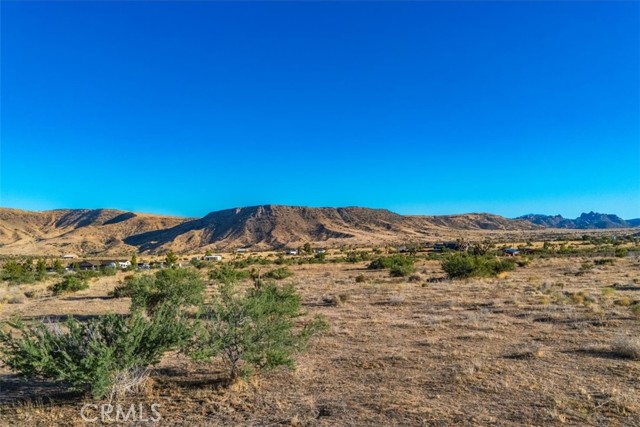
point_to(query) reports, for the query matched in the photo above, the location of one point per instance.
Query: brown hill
(274, 226)
(80, 231)
(105, 231)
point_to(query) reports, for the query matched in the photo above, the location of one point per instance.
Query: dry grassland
(554, 343)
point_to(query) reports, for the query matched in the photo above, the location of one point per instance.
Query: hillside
(86, 231)
(107, 231)
(591, 220)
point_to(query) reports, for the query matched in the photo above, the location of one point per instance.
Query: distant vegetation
(279, 273)
(70, 284)
(398, 265)
(462, 265)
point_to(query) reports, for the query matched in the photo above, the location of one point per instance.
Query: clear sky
(418, 107)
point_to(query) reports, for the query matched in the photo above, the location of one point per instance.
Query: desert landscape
(552, 341)
(319, 213)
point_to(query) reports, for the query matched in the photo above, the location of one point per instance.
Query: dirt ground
(536, 347)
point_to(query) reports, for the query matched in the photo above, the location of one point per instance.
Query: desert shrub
(398, 265)
(227, 273)
(70, 284)
(251, 260)
(621, 252)
(19, 272)
(360, 278)
(87, 274)
(108, 271)
(199, 264)
(92, 356)
(133, 285)
(16, 299)
(390, 261)
(635, 309)
(358, 256)
(177, 286)
(461, 266)
(415, 278)
(628, 347)
(401, 270)
(604, 261)
(279, 273)
(253, 330)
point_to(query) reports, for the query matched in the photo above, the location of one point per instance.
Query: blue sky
(418, 107)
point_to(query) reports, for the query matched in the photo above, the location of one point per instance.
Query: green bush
(20, 272)
(461, 266)
(92, 356)
(253, 330)
(177, 286)
(70, 284)
(227, 273)
(358, 256)
(402, 270)
(621, 252)
(279, 273)
(399, 265)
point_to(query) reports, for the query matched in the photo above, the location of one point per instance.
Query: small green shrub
(227, 273)
(621, 252)
(179, 286)
(401, 270)
(461, 266)
(358, 256)
(279, 273)
(399, 265)
(253, 330)
(70, 284)
(92, 356)
(20, 272)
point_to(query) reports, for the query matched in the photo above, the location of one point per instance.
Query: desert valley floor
(542, 345)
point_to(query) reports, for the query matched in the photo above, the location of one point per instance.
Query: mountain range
(591, 220)
(110, 231)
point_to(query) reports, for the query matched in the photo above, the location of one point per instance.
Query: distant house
(69, 256)
(292, 252)
(319, 251)
(511, 252)
(241, 250)
(212, 258)
(89, 265)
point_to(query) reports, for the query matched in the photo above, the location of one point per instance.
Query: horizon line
(144, 212)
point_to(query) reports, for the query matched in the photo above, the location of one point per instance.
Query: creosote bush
(227, 273)
(279, 273)
(462, 266)
(253, 330)
(70, 284)
(398, 265)
(91, 356)
(175, 286)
